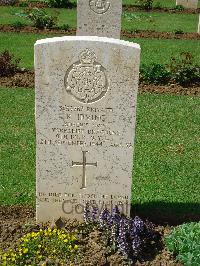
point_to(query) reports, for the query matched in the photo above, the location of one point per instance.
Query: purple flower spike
(104, 217)
(122, 238)
(136, 245)
(116, 216)
(137, 226)
(95, 212)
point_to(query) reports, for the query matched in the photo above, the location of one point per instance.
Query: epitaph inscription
(86, 80)
(99, 6)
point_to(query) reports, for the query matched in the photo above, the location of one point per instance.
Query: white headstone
(188, 3)
(99, 18)
(199, 25)
(86, 93)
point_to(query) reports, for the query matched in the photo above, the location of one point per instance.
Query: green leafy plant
(9, 65)
(18, 25)
(146, 4)
(179, 8)
(53, 245)
(178, 31)
(184, 243)
(23, 4)
(65, 27)
(188, 76)
(155, 73)
(60, 3)
(183, 69)
(39, 17)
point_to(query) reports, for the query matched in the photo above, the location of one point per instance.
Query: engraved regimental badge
(99, 6)
(86, 80)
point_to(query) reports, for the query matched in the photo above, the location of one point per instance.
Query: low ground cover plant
(184, 243)
(9, 65)
(46, 245)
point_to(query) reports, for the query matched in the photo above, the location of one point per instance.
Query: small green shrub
(65, 27)
(52, 245)
(9, 65)
(179, 8)
(184, 243)
(178, 31)
(40, 18)
(23, 4)
(188, 76)
(146, 4)
(18, 25)
(60, 3)
(155, 73)
(183, 69)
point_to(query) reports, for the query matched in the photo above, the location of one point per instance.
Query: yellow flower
(76, 247)
(73, 238)
(25, 250)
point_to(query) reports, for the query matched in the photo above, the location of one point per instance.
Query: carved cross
(84, 164)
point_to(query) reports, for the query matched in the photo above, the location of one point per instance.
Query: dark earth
(19, 220)
(128, 34)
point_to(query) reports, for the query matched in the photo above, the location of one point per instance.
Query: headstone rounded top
(89, 39)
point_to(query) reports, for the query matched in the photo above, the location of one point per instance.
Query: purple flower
(136, 245)
(8, 2)
(94, 213)
(115, 216)
(122, 238)
(137, 226)
(104, 217)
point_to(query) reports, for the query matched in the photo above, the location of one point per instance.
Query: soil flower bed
(18, 222)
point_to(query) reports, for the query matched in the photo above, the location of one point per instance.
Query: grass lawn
(161, 3)
(160, 21)
(130, 21)
(153, 50)
(167, 149)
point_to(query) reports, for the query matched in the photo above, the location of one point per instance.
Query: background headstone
(99, 18)
(188, 3)
(199, 25)
(86, 93)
